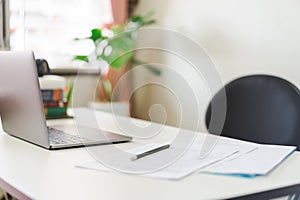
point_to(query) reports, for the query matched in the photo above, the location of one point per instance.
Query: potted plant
(113, 50)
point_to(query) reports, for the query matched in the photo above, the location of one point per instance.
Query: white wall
(241, 36)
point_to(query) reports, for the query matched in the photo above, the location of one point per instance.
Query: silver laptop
(22, 113)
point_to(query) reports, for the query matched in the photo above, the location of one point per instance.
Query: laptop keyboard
(59, 137)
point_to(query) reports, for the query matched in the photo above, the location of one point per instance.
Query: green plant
(114, 46)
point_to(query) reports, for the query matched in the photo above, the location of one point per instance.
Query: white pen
(149, 152)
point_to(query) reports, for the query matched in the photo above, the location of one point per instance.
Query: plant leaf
(150, 22)
(83, 58)
(117, 29)
(96, 34)
(107, 88)
(121, 53)
(69, 93)
(137, 18)
(151, 68)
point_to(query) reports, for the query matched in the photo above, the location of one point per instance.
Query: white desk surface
(27, 170)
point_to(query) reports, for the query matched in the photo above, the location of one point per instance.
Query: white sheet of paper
(190, 162)
(144, 148)
(257, 162)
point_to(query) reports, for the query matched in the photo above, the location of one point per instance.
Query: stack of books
(52, 89)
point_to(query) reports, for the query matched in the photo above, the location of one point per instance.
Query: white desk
(27, 170)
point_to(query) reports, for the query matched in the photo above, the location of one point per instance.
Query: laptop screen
(21, 106)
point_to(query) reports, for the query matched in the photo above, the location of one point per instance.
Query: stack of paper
(257, 162)
(232, 157)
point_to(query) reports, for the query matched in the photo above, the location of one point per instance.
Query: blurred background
(241, 38)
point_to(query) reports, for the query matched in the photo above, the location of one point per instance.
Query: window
(48, 27)
(4, 25)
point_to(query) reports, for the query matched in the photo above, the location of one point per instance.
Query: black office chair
(260, 108)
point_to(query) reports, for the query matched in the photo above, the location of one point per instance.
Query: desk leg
(13, 191)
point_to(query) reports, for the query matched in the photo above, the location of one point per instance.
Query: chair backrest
(261, 108)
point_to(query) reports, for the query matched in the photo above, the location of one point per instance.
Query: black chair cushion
(261, 108)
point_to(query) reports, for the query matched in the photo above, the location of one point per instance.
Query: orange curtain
(119, 11)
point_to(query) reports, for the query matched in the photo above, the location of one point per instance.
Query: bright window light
(48, 27)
